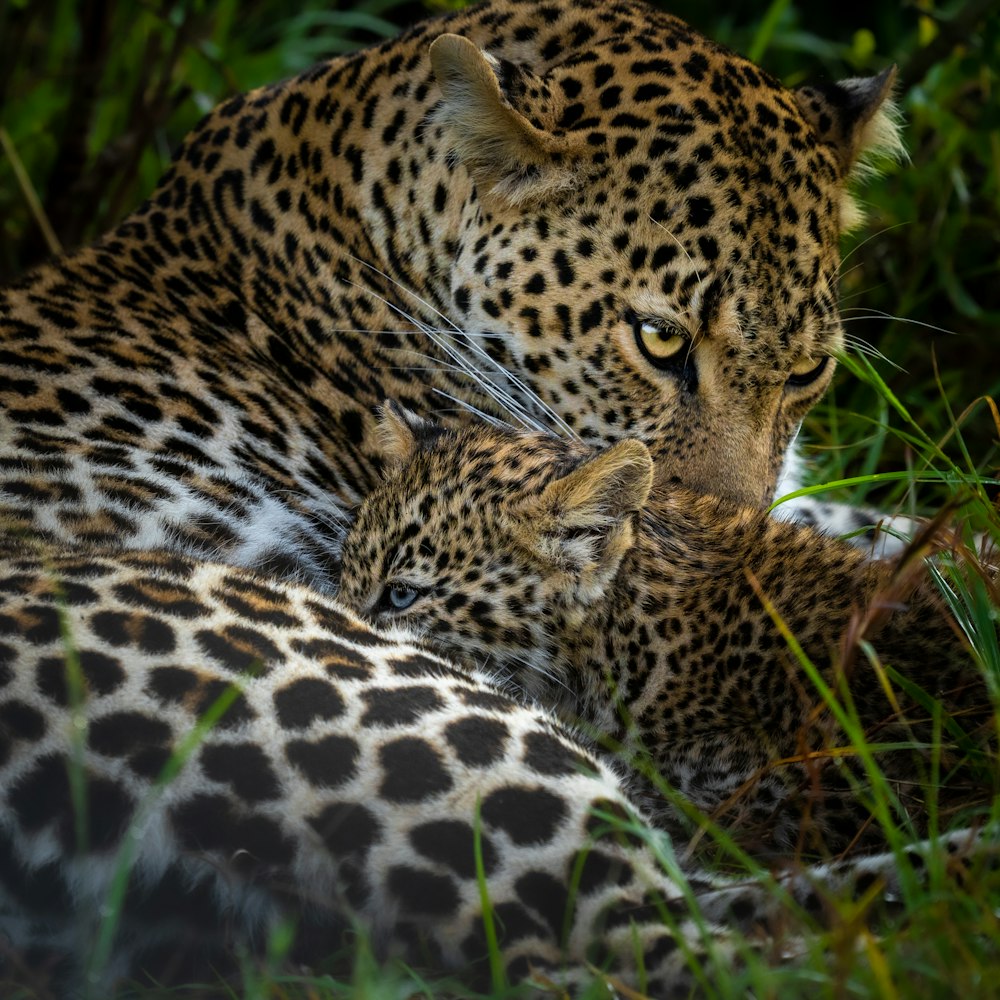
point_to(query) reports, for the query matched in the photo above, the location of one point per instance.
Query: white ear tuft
(858, 118)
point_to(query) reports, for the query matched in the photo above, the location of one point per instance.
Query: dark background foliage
(95, 95)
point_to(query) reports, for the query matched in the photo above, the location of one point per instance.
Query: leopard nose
(741, 474)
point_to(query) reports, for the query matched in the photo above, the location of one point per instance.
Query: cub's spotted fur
(653, 621)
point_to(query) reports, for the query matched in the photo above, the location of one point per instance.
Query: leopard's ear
(401, 432)
(859, 120)
(585, 519)
(499, 120)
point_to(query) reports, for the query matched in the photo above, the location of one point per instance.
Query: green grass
(921, 285)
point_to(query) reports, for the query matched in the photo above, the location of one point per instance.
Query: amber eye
(662, 344)
(807, 371)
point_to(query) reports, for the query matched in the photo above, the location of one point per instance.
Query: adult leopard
(657, 622)
(589, 213)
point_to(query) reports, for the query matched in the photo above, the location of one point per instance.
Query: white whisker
(463, 366)
(678, 242)
(867, 240)
(462, 404)
(406, 291)
(859, 346)
(879, 314)
(520, 386)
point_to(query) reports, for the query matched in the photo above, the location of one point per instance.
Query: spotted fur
(644, 244)
(340, 785)
(658, 622)
(641, 240)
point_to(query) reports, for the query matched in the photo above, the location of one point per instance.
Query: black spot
(352, 425)
(412, 771)
(337, 659)
(709, 247)
(37, 623)
(178, 685)
(527, 815)
(535, 285)
(416, 665)
(149, 762)
(38, 888)
(239, 648)
(547, 755)
(700, 211)
(451, 843)
(72, 402)
(696, 66)
(325, 763)
(244, 767)
(144, 632)
(624, 145)
(479, 698)
(43, 796)
(663, 255)
(347, 828)
(611, 820)
(564, 270)
(477, 742)
(649, 911)
(305, 700)
(171, 599)
(742, 908)
(120, 733)
(20, 721)
(102, 675)
(513, 923)
(547, 896)
(397, 707)
(194, 903)
(863, 883)
(207, 822)
(423, 892)
(172, 684)
(597, 870)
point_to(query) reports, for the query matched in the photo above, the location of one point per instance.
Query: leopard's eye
(397, 597)
(660, 343)
(807, 371)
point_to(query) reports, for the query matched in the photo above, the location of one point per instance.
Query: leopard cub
(717, 650)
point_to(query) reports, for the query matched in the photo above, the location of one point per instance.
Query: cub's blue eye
(398, 597)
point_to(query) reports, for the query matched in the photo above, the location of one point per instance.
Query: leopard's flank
(251, 754)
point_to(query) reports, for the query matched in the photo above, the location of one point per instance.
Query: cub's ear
(584, 520)
(499, 118)
(859, 120)
(401, 433)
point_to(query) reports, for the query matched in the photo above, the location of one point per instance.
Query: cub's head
(490, 545)
(651, 236)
